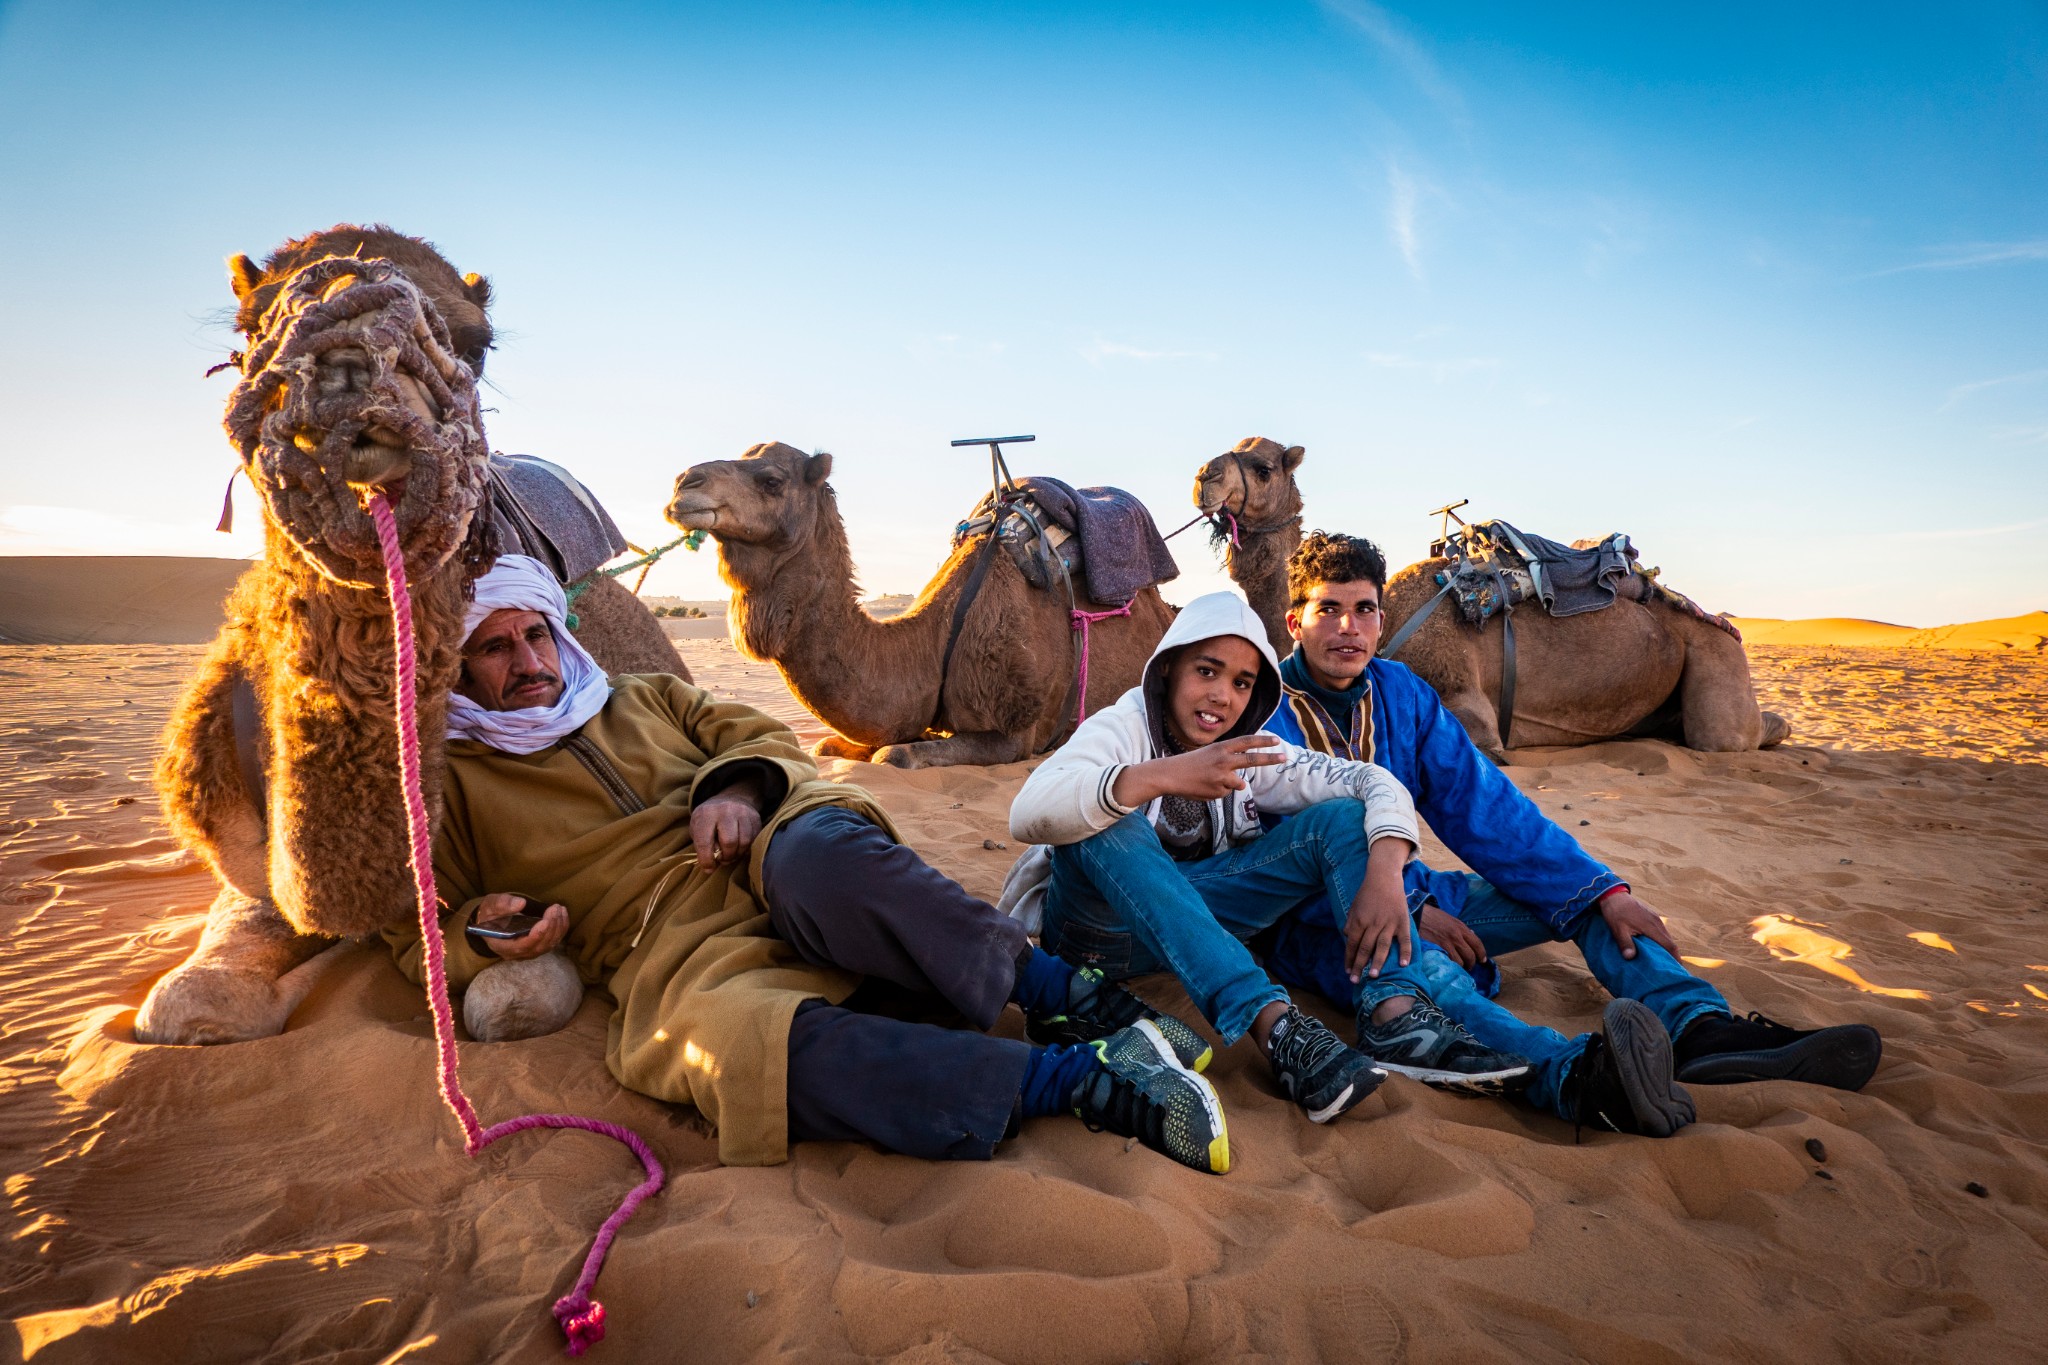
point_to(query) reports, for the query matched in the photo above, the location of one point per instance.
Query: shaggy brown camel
(365, 348)
(1643, 669)
(883, 685)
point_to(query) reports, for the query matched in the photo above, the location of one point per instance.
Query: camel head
(364, 350)
(768, 498)
(1250, 487)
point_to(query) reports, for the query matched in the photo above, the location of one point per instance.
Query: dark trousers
(843, 894)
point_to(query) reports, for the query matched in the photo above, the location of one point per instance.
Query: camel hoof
(194, 1006)
(1776, 730)
(898, 756)
(513, 1000)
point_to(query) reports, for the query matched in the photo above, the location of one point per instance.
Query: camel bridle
(1240, 526)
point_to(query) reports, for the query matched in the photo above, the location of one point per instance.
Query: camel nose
(690, 478)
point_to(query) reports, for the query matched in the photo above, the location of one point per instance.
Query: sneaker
(1718, 1049)
(1097, 1007)
(1622, 1081)
(1141, 1091)
(1316, 1070)
(1429, 1046)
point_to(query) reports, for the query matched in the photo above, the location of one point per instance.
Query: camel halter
(1236, 528)
(581, 1317)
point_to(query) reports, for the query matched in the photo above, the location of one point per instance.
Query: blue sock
(1050, 1078)
(1042, 983)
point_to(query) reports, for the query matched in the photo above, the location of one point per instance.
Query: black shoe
(1097, 1007)
(1427, 1045)
(1316, 1070)
(1142, 1092)
(1719, 1049)
(1622, 1081)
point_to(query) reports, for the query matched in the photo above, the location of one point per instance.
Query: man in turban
(693, 863)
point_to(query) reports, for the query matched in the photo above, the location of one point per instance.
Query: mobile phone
(513, 926)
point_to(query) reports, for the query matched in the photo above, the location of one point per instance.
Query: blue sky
(1761, 285)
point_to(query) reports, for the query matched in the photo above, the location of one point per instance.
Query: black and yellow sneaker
(1097, 1007)
(1142, 1091)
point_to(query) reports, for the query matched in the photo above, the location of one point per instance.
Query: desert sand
(305, 1197)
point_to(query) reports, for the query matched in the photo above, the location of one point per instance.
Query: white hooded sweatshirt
(1069, 798)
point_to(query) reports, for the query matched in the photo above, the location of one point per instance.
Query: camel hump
(1104, 537)
(541, 510)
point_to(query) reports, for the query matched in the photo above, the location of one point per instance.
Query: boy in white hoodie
(1157, 858)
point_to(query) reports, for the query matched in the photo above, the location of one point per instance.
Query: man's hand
(542, 938)
(725, 827)
(1202, 774)
(1378, 920)
(1628, 918)
(1453, 935)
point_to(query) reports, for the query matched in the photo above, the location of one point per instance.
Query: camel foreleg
(249, 972)
(1481, 721)
(1716, 696)
(955, 750)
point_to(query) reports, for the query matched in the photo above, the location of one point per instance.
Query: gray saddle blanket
(1104, 536)
(541, 510)
(1496, 566)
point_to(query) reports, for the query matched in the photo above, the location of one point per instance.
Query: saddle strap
(1507, 675)
(243, 720)
(1413, 623)
(975, 578)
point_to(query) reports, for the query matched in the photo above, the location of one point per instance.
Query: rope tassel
(581, 1317)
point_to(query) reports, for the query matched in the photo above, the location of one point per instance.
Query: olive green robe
(600, 822)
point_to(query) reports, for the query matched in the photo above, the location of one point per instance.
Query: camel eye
(771, 484)
(1264, 472)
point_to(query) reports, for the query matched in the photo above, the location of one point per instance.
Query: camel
(365, 347)
(1636, 669)
(885, 686)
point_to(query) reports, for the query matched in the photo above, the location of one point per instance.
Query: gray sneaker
(1316, 1070)
(1428, 1046)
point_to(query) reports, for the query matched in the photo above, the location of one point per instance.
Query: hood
(1216, 613)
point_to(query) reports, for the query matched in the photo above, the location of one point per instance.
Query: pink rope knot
(581, 1317)
(1081, 620)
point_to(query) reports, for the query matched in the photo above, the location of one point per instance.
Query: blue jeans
(1505, 925)
(1119, 902)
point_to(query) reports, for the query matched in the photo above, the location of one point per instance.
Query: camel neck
(1258, 565)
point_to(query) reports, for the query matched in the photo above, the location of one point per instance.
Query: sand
(305, 1197)
(2027, 633)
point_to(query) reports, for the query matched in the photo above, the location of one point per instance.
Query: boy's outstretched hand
(1201, 774)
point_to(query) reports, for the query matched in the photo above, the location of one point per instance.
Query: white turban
(525, 584)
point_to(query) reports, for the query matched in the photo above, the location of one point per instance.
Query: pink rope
(581, 1317)
(1235, 544)
(1081, 620)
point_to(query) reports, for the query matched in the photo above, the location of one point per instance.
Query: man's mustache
(522, 681)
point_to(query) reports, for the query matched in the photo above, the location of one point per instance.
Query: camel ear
(817, 468)
(479, 291)
(243, 275)
(1290, 459)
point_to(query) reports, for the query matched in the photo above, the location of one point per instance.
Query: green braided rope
(689, 540)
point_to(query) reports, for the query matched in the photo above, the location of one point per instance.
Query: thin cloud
(1409, 55)
(1438, 370)
(1962, 391)
(1403, 196)
(1971, 255)
(1098, 350)
(1973, 532)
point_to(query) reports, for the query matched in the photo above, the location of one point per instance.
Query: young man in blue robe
(1532, 883)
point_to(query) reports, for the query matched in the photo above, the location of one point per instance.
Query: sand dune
(113, 600)
(305, 1197)
(2024, 633)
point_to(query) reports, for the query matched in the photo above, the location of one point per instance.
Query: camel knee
(513, 1000)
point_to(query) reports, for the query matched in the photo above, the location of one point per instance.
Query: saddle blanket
(1115, 545)
(541, 510)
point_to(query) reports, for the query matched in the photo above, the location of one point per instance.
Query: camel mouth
(693, 512)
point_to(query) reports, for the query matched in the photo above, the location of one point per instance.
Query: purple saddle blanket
(1122, 552)
(541, 510)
